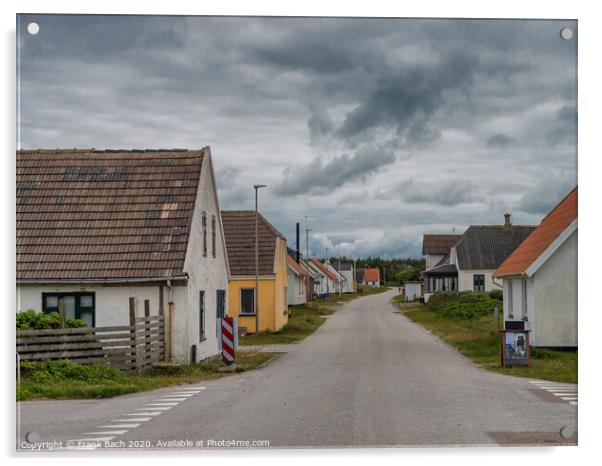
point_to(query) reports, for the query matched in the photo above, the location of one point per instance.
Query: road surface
(367, 377)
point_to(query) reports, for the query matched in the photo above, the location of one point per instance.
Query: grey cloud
(445, 193)
(499, 140)
(320, 125)
(542, 197)
(406, 100)
(319, 178)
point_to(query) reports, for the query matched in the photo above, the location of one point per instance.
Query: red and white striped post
(229, 338)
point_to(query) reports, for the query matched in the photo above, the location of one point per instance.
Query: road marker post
(229, 339)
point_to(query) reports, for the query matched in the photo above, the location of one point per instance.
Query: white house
(471, 261)
(326, 281)
(297, 282)
(339, 279)
(97, 227)
(413, 290)
(348, 273)
(435, 247)
(540, 279)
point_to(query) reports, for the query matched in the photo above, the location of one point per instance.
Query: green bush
(465, 305)
(496, 294)
(46, 371)
(32, 320)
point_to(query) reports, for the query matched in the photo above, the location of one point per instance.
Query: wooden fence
(128, 347)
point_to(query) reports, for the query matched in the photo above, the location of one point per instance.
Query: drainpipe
(170, 317)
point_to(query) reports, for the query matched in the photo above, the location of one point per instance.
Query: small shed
(413, 290)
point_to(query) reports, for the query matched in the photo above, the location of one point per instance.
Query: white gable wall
(296, 288)
(208, 274)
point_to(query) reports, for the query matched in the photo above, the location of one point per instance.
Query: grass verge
(479, 340)
(302, 322)
(66, 380)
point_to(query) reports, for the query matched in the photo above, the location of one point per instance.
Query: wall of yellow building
(273, 305)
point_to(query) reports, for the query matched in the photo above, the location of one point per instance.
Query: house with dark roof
(98, 227)
(436, 247)
(472, 259)
(272, 293)
(540, 278)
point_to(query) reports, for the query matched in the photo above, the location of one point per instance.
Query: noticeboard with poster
(515, 347)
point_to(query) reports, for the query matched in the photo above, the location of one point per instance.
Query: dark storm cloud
(280, 99)
(318, 177)
(406, 100)
(499, 140)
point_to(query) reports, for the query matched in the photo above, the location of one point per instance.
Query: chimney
(507, 220)
(298, 255)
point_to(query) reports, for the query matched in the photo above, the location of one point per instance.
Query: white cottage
(97, 227)
(540, 279)
(297, 282)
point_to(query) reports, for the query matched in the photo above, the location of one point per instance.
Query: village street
(367, 377)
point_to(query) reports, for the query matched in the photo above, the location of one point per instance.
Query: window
(247, 301)
(220, 308)
(204, 222)
(213, 237)
(479, 282)
(201, 315)
(76, 305)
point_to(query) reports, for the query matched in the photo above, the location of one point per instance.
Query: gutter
(100, 281)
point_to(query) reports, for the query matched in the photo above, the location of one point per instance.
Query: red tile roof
(323, 268)
(296, 267)
(98, 215)
(372, 275)
(538, 241)
(239, 231)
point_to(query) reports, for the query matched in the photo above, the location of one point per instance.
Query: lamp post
(256, 188)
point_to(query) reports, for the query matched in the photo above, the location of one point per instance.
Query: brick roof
(438, 244)
(538, 241)
(86, 214)
(323, 268)
(372, 275)
(485, 247)
(297, 268)
(239, 231)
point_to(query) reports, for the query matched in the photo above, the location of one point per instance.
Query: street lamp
(256, 188)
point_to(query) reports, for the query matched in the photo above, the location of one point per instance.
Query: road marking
(112, 432)
(133, 419)
(119, 426)
(562, 391)
(179, 395)
(162, 404)
(92, 439)
(171, 399)
(160, 408)
(147, 413)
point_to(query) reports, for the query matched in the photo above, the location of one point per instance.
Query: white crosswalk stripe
(565, 392)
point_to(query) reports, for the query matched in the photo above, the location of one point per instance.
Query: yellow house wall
(273, 306)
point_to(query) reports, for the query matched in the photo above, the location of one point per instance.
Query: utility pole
(340, 281)
(256, 188)
(385, 276)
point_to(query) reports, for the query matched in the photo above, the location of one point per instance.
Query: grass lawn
(479, 340)
(64, 380)
(302, 322)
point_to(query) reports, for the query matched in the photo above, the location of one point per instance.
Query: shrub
(496, 294)
(46, 371)
(466, 305)
(32, 320)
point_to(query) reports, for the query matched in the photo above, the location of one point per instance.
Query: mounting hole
(566, 432)
(33, 28)
(32, 437)
(566, 33)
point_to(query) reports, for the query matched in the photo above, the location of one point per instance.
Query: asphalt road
(367, 377)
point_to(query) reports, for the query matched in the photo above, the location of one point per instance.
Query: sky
(370, 132)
